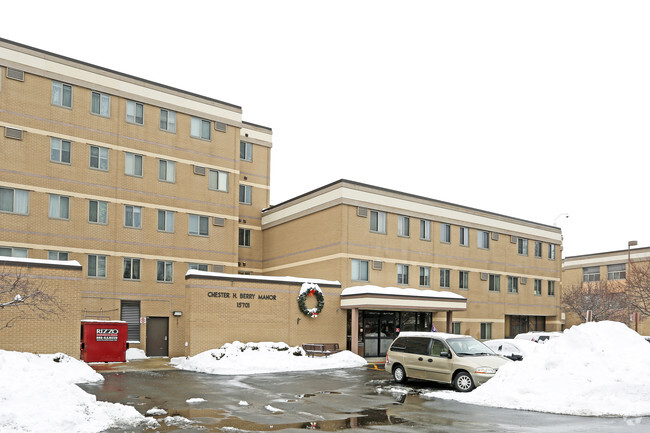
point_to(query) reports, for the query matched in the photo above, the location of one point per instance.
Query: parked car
(512, 349)
(459, 360)
(538, 336)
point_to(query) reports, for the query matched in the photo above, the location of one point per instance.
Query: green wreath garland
(313, 312)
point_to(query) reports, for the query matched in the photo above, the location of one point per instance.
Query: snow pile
(133, 354)
(266, 357)
(38, 394)
(594, 369)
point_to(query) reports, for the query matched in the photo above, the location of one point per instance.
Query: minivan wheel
(463, 382)
(399, 374)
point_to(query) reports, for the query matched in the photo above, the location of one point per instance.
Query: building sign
(239, 296)
(106, 334)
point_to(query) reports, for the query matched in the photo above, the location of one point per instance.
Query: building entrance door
(157, 336)
(378, 332)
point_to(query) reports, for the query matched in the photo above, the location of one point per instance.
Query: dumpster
(103, 340)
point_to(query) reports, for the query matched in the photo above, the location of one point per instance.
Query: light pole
(630, 244)
(564, 214)
(629, 269)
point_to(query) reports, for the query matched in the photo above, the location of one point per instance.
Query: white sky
(528, 109)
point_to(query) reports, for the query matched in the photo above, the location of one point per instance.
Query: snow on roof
(398, 291)
(19, 260)
(261, 278)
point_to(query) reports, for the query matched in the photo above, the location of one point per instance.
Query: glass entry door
(378, 332)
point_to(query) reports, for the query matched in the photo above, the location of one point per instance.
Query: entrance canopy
(401, 299)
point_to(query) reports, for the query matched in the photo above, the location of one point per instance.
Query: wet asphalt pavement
(359, 399)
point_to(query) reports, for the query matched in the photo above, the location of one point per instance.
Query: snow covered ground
(594, 369)
(265, 357)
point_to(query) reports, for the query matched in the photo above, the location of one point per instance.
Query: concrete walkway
(149, 364)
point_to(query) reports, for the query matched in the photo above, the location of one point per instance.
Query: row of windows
(614, 272)
(360, 268)
(131, 269)
(483, 237)
(17, 201)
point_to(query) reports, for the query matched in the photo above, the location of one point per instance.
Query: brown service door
(157, 336)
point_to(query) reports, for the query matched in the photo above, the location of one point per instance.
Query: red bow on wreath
(311, 292)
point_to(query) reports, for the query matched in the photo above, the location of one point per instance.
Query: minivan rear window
(418, 345)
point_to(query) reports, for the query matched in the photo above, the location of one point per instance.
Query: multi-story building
(135, 180)
(612, 268)
(508, 269)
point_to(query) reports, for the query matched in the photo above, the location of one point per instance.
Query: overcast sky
(525, 108)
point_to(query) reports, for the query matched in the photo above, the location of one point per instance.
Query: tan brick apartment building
(139, 182)
(610, 266)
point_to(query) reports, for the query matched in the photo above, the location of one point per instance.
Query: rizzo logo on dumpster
(104, 334)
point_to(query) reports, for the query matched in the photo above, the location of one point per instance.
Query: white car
(513, 349)
(538, 336)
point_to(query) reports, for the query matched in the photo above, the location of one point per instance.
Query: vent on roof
(218, 221)
(513, 239)
(484, 276)
(15, 74)
(362, 212)
(220, 126)
(524, 280)
(199, 170)
(495, 236)
(377, 265)
(217, 268)
(16, 134)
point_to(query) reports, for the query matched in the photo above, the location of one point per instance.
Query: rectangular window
(494, 283)
(133, 216)
(130, 313)
(13, 252)
(483, 239)
(445, 278)
(134, 112)
(245, 151)
(245, 194)
(486, 331)
(425, 276)
(402, 274)
(455, 328)
(359, 270)
(464, 237)
(198, 225)
(61, 94)
(425, 230)
(166, 221)
(97, 212)
(57, 255)
(551, 252)
(167, 120)
(59, 150)
(551, 288)
(244, 237)
(99, 158)
(200, 128)
(616, 272)
(14, 201)
(513, 284)
(445, 233)
(591, 274)
(100, 104)
(132, 164)
(198, 266)
(463, 280)
(218, 180)
(522, 246)
(538, 249)
(96, 266)
(377, 221)
(538, 287)
(164, 271)
(166, 171)
(403, 226)
(131, 269)
(59, 207)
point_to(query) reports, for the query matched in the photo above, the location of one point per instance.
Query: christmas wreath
(311, 289)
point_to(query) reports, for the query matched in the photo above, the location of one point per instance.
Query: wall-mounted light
(177, 313)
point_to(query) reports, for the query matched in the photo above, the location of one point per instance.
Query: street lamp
(565, 215)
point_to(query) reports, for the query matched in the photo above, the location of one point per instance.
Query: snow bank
(38, 394)
(266, 357)
(594, 369)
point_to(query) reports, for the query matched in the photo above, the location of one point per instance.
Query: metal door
(157, 336)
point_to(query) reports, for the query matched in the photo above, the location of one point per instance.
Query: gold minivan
(460, 360)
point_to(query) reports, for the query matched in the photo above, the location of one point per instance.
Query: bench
(323, 349)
